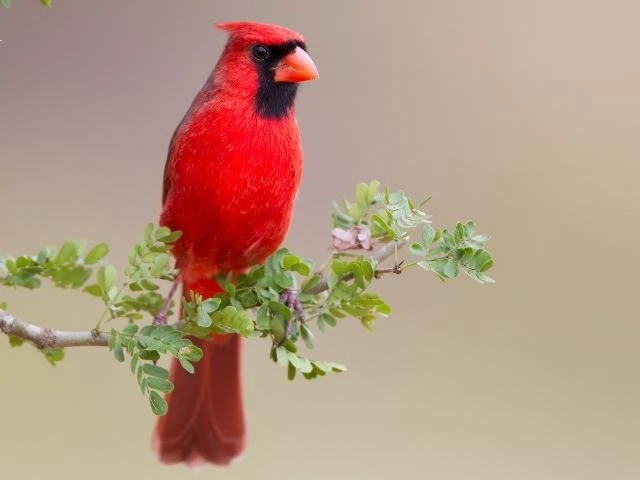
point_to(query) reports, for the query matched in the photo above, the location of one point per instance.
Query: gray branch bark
(47, 337)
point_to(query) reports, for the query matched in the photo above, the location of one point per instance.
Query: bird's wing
(166, 180)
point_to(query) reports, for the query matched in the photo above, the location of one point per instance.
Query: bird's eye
(260, 52)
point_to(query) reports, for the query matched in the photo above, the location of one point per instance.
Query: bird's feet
(161, 317)
(291, 298)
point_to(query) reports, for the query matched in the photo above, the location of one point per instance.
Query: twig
(379, 256)
(49, 338)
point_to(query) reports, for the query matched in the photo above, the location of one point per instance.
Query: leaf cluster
(251, 305)
(149, 262)
(67, 267)
(145, 346)
(70, 267)
(447, 253)
(260, 302)
(388, 215)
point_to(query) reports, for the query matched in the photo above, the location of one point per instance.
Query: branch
(43, 338)
(379, 256)
(48, 338)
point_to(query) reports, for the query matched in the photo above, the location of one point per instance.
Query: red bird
(231, 176)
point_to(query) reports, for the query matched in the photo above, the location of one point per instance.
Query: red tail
(205, 422)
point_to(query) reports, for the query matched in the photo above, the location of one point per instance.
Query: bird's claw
(160, 319)
(291, 298)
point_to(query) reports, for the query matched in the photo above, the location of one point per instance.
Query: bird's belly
(229, 229)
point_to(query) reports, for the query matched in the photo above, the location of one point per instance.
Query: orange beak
(296, 67)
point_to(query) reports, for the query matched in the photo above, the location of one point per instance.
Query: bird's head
(266, 61)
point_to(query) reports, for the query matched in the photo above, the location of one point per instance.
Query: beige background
(521, 115)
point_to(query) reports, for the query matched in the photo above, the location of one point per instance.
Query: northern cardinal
(233, 169)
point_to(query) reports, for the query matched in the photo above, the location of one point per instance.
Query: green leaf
(438, 265)
(328, 319)
(368, 270)
(130, 329)
(232, 320)
(451, 268)
(167, 334)
(158, 404)
(133, 364)
(447, 239)
(46, 3)
(211, 304)
(22, 279)
(418, 249)
(290, 346)
(289, 261)
(69, 252)
(6, 3)
(45, 255)
(301, 363)
(481, 238)
(277, 325)
(203, 319)
(307, 336)
(191, 352)
(282, 279)
(106, 277)
(280, 310)
(374, 186)
(186, 364)
(300, 266)
(133, 256)
(93, 289)
(428, 234)
(262, 317)
(459, 233)
(73, 277)
(161, 232)
(53, 355)
(148, 233)
(150, 355)
(97, 253)
(118, 353)
(148, 285)
(169, 238)
(155, 370)
(482, 261)
(338, 367)
(466, 255)
(15, 341)
(282, 356)
(161, 384)
(469, 229)
(160, 265)
(367, 322)
(142, 382)
(291, 372)
(362, 195)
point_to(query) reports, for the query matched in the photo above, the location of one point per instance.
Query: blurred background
(523, 116)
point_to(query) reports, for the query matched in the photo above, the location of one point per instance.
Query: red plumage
(232, 172)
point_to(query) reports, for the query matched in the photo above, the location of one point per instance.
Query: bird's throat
(274, 100)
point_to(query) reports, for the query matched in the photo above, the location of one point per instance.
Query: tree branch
(379, 256)
(43, 338)
(46, 337)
